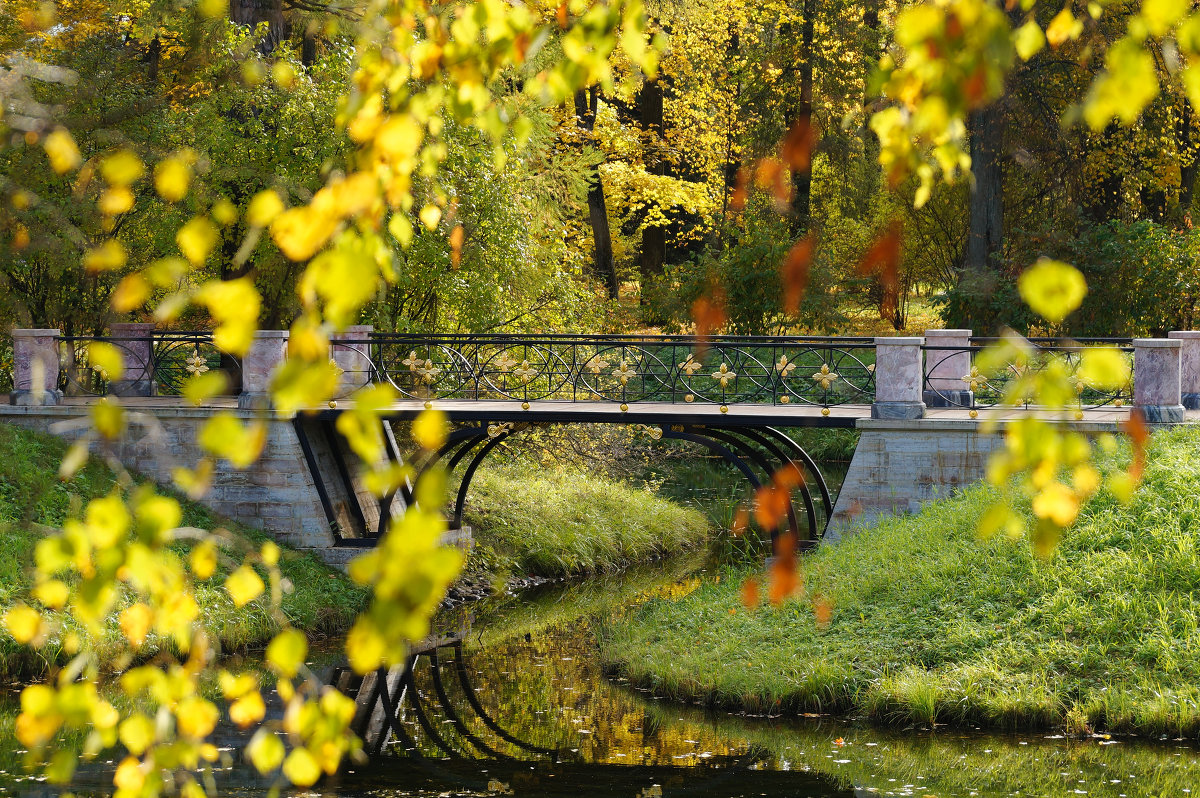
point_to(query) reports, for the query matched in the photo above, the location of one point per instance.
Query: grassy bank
(34, 501)
(930, 624)
(558, 522)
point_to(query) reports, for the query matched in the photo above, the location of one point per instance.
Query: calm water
(560, 727)
(533, 664)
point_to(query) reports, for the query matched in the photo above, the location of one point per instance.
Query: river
(533, 662)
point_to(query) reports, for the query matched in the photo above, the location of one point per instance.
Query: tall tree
(603, 265)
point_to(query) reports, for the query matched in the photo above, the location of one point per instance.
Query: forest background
(627, 205)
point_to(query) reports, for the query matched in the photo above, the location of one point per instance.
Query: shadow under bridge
(754, 446)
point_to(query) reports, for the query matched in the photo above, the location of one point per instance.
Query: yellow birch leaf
(135, 623)
(248, 710)
(196, 239)
(171, 178)
(106, 257)
(263, 209)
(62, 151)
(122, 168)
(286, 652)
(107, 359)
(430, 429)
(244, 585)
(1052, 288)
(301, 768)
(265, 750)
(24, 623)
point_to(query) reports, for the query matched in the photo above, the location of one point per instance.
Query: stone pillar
(1189, 366)
(898, 377)
(945, 369)
(1156, 387)
(354, 359)
(35, 367)
(266, 353)
(137, 350)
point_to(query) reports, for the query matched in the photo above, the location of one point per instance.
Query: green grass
(33, 501)
(930, 624)
(559, 522)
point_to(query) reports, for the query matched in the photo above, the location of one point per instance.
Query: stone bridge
(918, 402)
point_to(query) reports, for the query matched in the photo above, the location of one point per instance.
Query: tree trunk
(802, 179)
(255, 12)
(654, 237)
(986, 227)
(1187, 171)
(586, 101)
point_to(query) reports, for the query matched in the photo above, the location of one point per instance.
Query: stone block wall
(276, 494)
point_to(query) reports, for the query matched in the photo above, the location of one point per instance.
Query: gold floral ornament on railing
(596, 364)
(653, 432)
(195, 363)
(690, 366)
(724, 375)
(525, 372)
(506, 363)
(412, 361)
(825, 377)
(784, 367)
(974, 379)
(427, 371)
(624, 373)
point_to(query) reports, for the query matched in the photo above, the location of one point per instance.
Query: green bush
(1143, 280)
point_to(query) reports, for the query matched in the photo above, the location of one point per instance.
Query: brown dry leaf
(883, 259)
(772, 176)
(794, 273)
(788, 477)
(456, 244)
(770, 506)
(798, 145)
(750, 593)
(561, 14)
(1135, 427)
(822, 610)
(785, 574)
(709, 315)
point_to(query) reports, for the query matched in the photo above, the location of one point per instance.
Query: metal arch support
(461, 439)
(435, 668)
(808, 461)
(748, 451)
(422, 718)
(461, 500)
(768, 444)
(460, 667)
(716, 448)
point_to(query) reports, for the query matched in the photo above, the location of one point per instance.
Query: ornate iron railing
(952, 378)
(580, 368)
(157, 364)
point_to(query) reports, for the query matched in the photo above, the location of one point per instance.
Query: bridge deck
(654, 413)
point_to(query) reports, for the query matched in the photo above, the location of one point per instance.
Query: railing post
(35, 367)
(266, 353)
(898, 377)
(945, 369)
(1156, 386)
(137, 350)
(353, 359)
(1189, 366)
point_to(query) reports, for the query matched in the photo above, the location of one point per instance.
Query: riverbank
(927, 624)
(559, 522)
(33, 502)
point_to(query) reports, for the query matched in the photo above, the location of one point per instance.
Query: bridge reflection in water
(427, 729)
